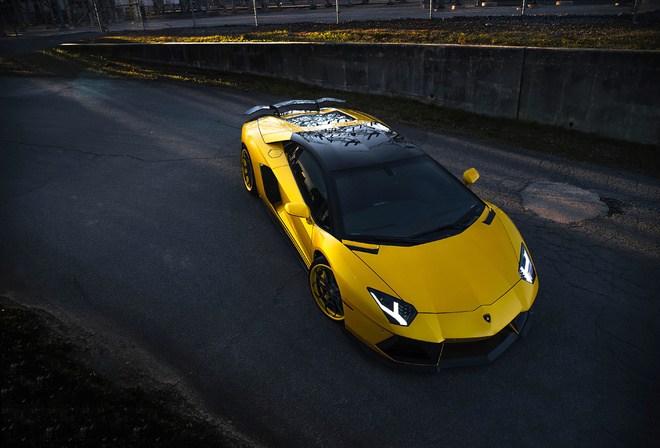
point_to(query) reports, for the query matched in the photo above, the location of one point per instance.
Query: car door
(311, 183)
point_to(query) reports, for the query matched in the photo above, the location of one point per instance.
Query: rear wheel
(247, 171)
(325, 290)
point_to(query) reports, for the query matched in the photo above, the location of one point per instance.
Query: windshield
(404, 199)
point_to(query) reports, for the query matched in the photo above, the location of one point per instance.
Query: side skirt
(277, 221)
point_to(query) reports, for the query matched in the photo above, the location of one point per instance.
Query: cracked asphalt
(122, 209)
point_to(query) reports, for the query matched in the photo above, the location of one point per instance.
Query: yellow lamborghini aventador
(420, 270)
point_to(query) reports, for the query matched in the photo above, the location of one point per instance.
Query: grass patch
(66, 63)
(49, 398)
(562, 32)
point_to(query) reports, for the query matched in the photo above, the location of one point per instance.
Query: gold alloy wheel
(325, 290)
(247, 171)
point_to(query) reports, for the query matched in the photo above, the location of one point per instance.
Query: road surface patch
(563, 203)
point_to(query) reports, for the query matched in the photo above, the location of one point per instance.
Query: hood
(455, 274)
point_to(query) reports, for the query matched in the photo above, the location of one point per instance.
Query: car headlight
(396, 310)
(526, 268)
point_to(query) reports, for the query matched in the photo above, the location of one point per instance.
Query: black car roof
(358, 145)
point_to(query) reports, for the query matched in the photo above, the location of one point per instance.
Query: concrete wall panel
(611, 93)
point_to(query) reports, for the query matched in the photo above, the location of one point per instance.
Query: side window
(309, 177)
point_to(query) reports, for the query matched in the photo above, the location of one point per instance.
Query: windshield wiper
(461, 223)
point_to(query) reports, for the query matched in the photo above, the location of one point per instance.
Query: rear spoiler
(287, 106)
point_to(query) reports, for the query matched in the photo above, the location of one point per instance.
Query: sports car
(421, 271)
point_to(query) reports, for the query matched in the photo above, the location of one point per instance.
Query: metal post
(634, 16)
(115, 18)
(254, 6)
(69, 16)
(139, 8)
(430, 9)
(18, 12)
(60, 16)
(522, 10)
(337, 10)
(98, 17)
(136, 9)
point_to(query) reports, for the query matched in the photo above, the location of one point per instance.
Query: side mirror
(297, 209)
(470, 177)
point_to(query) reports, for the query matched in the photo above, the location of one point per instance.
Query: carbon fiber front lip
(453, 354)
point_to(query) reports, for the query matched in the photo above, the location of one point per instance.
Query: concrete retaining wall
(607, 92)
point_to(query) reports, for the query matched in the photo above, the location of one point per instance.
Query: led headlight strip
(526, 268)
(396, 310)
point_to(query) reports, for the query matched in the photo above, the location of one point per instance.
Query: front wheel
(325, 290)
(247, 171)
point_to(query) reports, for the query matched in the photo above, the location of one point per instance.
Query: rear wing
(288, 106)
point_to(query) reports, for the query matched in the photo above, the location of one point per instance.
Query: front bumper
(420, 356)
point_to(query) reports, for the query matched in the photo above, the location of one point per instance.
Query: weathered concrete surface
(611, 93)
(561, 202)
(608, 92)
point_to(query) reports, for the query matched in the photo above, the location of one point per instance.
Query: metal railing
(18, 15)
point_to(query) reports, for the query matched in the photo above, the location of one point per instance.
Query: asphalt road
(121, 203)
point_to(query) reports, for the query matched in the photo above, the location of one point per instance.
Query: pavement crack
(189, 374)
(42, 184)
(639, 348)
(279, 290)
(81, 290)
(25, 193)
(96, 154)
(585, 290)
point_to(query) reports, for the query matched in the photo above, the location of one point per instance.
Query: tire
(247, 171)
(325, 290)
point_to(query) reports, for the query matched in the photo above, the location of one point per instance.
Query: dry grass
(563, 32)
(50, 398)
